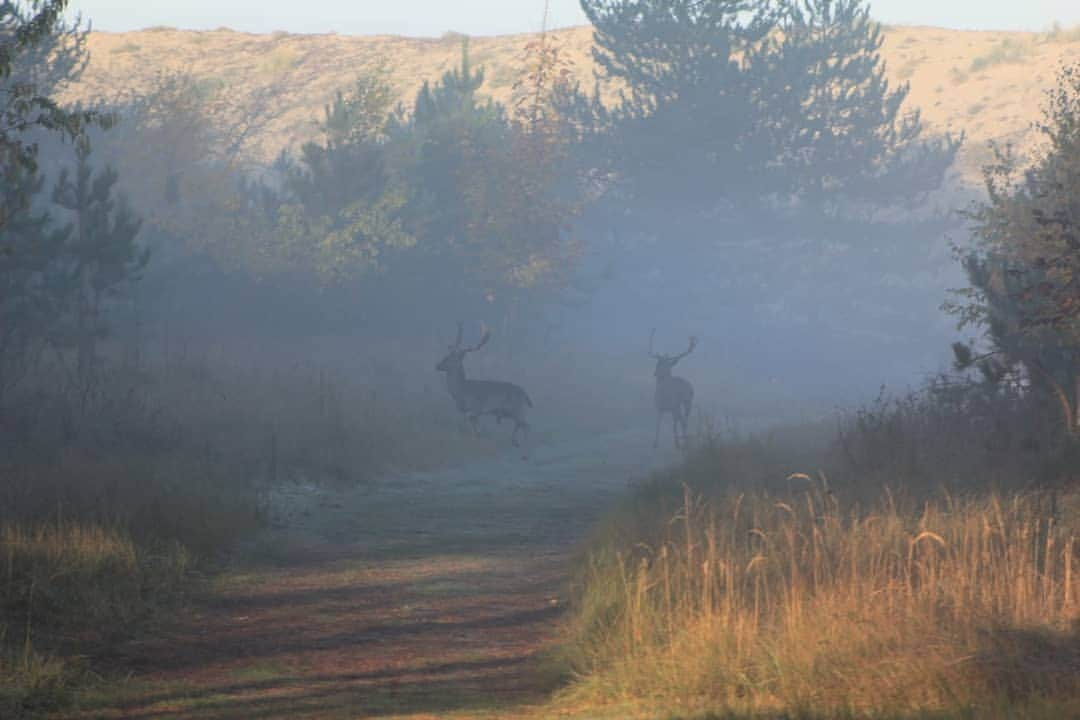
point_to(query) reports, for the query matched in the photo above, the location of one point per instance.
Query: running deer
(483, 397)
(673, 394)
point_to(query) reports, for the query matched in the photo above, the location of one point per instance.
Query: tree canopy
(38, 49)
(1024, 263)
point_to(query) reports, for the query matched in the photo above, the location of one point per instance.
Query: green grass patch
(64, 587)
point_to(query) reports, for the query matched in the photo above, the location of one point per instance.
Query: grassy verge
(733, 587)
(72, 588)
(113, 502)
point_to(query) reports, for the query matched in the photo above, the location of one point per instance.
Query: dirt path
(426, 596)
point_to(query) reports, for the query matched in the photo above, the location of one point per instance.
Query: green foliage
(750, 101)
(100, 257)
(33, 59)
(340, 212)
(450, 196)
(31, 295)
(687, 102)
(829, 125)
(443, 143)
(363, 114)
(1024, 263)
(484, 187)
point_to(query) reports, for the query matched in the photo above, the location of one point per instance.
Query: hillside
(989, 84)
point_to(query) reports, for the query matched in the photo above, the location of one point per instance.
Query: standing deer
(483, 397)
(673, 394)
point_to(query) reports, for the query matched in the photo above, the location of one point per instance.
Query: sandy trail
(426, 595)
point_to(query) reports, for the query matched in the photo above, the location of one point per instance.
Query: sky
(490, 17)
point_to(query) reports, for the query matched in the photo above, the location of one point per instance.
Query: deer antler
(690, 349)
(484, 337)
(460, 333)
(651, 336)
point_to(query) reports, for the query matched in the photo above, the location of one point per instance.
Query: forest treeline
(751, 134)
(755, 150)
(756, 166)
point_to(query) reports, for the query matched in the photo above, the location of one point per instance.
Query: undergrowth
(112, 497)
(924, 574)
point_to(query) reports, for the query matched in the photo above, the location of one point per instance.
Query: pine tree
(34, 57)
(755, 101)
(30, 300)
(830, 128)
(101, 256)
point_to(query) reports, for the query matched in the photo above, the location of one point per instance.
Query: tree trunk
(1070, 408)
(1076, 405)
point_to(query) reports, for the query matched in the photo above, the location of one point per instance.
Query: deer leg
(525, 427)
(656, 439)
(475, 424)
(675, 428)
(513, 435)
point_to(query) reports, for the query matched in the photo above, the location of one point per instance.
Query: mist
(695, 360)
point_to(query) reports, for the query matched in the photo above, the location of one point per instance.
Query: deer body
(475, 398)
(673, 395)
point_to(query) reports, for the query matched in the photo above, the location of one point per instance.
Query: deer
(673, 394)
(483, 397)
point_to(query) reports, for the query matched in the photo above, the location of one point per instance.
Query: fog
(716, 385)
(811, 267)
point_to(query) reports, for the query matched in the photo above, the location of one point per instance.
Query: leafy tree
(101, 256)
(1024, 264)
(488, 188)
(180, 149)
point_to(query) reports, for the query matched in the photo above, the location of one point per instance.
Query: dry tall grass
(735, 587)
(766, 603)
(71, 587)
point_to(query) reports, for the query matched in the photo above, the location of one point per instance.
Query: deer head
(665, 363)
(455, 356)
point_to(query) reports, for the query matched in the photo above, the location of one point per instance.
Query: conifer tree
(101, 256)
(31, 297)
(38, 49)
